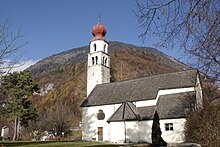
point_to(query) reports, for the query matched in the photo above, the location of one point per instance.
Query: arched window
(104, 47)
(103, 60)
(106, 61)
(93, 61)
(96, 59)
(94, 47)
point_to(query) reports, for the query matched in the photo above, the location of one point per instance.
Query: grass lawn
(54, 144)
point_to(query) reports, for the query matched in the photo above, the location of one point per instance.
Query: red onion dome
(99, 31)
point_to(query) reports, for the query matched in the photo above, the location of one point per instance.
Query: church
(123, 111)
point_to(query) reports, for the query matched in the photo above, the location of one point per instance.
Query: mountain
(76, 55)
(62, 77)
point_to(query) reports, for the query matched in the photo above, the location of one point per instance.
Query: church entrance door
(100, 133)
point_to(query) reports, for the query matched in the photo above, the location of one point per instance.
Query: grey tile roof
(145, 88)
(147, 113)
(175, 105)
(168, 106)
(126, 112)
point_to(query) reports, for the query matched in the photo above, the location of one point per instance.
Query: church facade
(123, 111)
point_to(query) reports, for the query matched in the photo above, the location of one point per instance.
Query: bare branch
(192, 25)
(9, 46)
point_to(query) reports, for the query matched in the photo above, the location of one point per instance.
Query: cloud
(20, 66)
(23, 65)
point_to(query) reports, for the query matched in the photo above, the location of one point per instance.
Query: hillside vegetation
(62, 80)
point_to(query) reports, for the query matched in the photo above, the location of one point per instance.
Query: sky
(53, 26)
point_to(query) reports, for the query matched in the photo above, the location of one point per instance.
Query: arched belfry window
(104, 47)
(93, 61)
(94, 45)
(96, 59)
(103, 60)
(106, 61)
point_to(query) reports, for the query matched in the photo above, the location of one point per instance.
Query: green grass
(54, 144)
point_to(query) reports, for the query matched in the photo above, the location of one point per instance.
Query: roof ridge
(145, 88)
(163, 74)
(133, 111)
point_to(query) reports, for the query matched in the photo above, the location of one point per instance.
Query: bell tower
(98, 70)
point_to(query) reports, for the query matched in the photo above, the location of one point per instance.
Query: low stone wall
(168, 145)
(183, 145)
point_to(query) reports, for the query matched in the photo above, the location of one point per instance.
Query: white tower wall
(98, 71)
(101, 45)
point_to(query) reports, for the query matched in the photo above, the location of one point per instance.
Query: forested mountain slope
(62, 77)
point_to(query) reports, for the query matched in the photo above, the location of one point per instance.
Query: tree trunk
(15, 129)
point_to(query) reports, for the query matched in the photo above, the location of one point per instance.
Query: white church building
(123, 111)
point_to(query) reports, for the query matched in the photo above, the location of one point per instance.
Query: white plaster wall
(163, 92)
(99, 46)
(88, 129)
(91, 123)
(135, 131)
(146, 103)
(116, 106)
(177, 135)
(116, 132)
(93, 77)
(141, 131)
(108, 110)
(98, 73)
(145, 130)
(173, 91)
(100, 56)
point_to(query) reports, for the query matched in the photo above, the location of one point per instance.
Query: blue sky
(53, 26)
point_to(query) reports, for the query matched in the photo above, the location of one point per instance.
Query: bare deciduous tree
(193, 25)
(203, 124)
(9, 45)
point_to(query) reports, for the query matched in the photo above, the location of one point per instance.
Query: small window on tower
(104, 47)
(105, 61)
(93, 61)
(94, 47)
(96, 60)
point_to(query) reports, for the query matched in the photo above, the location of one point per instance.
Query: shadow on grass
(105, 145)
(55, 143)
(23, 143)
(20, 143)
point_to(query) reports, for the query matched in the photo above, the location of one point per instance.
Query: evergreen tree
(157, 140)
(16, 88)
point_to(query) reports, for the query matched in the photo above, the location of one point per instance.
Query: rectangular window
(169, 126)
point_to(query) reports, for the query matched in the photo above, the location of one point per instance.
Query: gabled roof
(168, 106)
(126, 112)
(145, 88)
(175, 105)
(147, 113)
